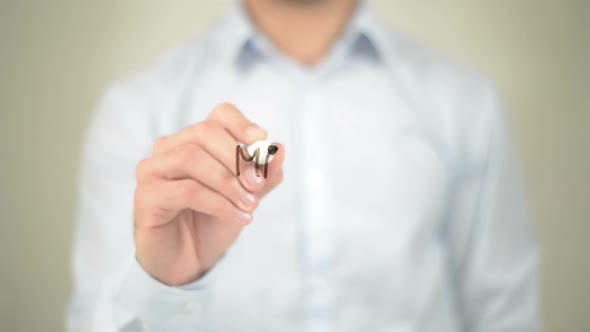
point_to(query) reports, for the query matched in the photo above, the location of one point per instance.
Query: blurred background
(56, 57)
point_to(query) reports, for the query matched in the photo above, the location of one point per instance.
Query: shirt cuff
(155, 303)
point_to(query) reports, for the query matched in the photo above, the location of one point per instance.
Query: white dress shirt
(402, 207)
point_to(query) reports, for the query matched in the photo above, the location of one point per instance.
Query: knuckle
(142, 168)
(188, 188)
(188, 154)
(141, 199)
(223, 109)
(201, 130)
(160, 144)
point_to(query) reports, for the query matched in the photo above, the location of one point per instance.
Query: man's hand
(189, 204)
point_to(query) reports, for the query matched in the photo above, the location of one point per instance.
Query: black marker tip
(272, 149)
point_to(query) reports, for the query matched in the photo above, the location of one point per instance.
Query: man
(398, 208)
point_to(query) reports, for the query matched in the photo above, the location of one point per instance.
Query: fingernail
(252, 178)
(247, 198)
(243, 217)
(254, 133)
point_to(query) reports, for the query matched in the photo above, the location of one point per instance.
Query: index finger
(230, 118)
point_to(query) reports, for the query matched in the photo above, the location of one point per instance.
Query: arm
(153, 219)
(494, 251)
(111, 290)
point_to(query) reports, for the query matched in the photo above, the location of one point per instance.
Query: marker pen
(266, 149)
(261, 152)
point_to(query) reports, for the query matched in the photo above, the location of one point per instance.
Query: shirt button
(192, 307)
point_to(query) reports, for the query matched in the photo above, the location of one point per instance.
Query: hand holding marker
(191, 203)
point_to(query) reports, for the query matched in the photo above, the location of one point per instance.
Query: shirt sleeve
(112, 292)
(494, 249)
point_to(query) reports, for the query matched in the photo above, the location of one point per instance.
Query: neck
(304, 30)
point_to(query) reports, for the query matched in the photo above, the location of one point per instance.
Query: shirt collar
(245, 44)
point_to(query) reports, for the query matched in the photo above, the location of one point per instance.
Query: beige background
(57, 56)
